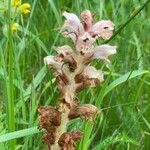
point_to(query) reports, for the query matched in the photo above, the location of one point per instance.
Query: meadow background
(124, 98)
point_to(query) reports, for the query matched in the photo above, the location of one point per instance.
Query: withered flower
(49, 115)
(49, 119)
(67, 140)
(85, 110)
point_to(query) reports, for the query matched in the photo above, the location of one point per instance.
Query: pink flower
(74, 29)
(83, 34)
(103, 52)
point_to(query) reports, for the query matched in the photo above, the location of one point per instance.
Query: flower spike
(74, 73)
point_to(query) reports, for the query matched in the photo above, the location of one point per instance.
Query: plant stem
(10, 107)
(63, 127)
(69, 97)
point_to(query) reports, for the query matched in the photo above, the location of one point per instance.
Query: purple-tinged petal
(92, 73)
(71, 16)
(85, 43)
(72, 27)
(103, 52)
(55, 62)
(102, 29)
(64, 50)
(87, 19)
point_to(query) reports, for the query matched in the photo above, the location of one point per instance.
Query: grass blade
(118, 81)
(10, 86)
(129, 20)
(18, 134)
(123, 78)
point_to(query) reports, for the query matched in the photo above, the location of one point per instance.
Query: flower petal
(86, 110)
(103, 52)
(64, 50)
(92, 73)
(85, 43)
(24, 8)
(71, 16)
(67, 140)
(102, 29)
(54, 62)
(72, 26)
(87, 19)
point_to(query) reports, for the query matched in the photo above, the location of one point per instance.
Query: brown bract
(49, 119)
(84, 110)
(67, 140)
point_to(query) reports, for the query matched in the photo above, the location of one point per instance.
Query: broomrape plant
(74, 73)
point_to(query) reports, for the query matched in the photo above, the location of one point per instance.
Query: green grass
(124, 98)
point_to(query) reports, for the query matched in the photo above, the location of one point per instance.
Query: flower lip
(55, 62)
(103, 52)
(72, 27)
(64, 50)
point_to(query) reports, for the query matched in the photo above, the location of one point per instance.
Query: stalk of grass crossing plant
(10, 103)
(129, 20)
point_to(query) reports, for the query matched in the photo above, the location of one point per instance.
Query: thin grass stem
(10, 103)
(128, 21)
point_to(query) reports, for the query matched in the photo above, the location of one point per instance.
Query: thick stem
(69, 97)
(63, 127)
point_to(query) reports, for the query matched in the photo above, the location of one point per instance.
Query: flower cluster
(23, 8)
(17, 9)
(73, 71)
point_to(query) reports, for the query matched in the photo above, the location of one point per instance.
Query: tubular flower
(73, 73)
(14, 27)
(24, 8)
(16, 2)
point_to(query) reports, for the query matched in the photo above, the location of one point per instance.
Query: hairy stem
(69, 97)
(62, 128)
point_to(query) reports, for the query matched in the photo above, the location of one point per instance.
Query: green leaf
(113, 139)
(123, 78)
(37, 80)
(19, 134)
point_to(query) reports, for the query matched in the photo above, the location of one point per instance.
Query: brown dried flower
(49, 115)
(49, 119)
(85, 110)
(67, 140)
